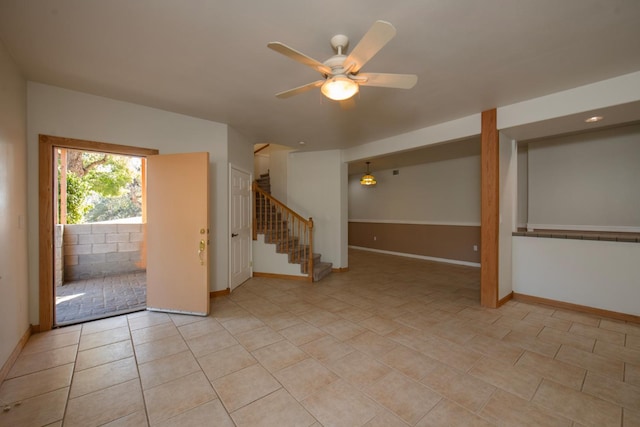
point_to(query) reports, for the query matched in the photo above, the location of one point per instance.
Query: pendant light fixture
(367, 179)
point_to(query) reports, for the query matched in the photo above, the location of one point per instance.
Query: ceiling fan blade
(299, 56)
(398, 81)
(378, 35)
(300, 89)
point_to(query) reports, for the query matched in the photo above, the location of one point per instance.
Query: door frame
(46, 182)
(249, 207)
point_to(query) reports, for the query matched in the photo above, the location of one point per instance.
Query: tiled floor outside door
(392, 342)
(90, 299)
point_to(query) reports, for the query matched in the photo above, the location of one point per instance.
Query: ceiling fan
(341, 73)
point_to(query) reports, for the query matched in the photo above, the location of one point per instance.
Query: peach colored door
(178, 233)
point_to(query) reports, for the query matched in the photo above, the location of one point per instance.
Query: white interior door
(240, 227)
(178, 233)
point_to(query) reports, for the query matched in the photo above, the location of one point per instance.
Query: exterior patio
(89, 299)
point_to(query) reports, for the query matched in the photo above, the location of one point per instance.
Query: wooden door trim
(46, 181)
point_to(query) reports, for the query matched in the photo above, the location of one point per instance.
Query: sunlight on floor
(67, 298)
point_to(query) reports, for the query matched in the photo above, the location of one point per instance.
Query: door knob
(234, 234)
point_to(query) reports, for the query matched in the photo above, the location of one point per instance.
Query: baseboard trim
(283, 276)
(14, 354)
(505, 299)
(215, 294)
(577, 307)
(424, 257)
(340, 270)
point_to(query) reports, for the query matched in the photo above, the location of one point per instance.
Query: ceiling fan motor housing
(340, 42)
(336, 63)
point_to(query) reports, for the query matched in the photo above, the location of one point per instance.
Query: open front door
(178, 233)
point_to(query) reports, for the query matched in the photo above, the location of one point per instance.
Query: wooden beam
(62, 218)
(45, 244)
(489, 210)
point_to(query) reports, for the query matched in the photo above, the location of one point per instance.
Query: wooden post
(62, 219)
(46, 217)
(490, 209)
(310, 260)
(143, 187)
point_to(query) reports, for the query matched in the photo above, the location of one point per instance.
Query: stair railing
(291, 233)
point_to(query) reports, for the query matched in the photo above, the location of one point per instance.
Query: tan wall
(454, 242)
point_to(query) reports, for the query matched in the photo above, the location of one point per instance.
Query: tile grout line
(200, 366)
(73, 375)
(485, 403)
(135, 358)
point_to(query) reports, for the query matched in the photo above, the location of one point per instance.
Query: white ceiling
(208, 58)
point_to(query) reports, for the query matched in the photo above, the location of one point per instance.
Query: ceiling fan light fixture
(339, 88)
(367, 179)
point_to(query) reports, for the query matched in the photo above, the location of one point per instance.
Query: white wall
(439, 192)
(65, 113)
(523, 185)
(14, 288)
(278, 171)
(240, 150)
(273, 160)
(315, 189)
(587, 181)
(508, 212)
(260, 164)
(267, 260)
(591, 273)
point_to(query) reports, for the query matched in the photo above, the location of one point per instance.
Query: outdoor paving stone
(101, 296)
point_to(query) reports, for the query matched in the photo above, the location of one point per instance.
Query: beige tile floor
(392, 342)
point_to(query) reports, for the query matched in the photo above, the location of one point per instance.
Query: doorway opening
(50, 148)
(99, 257)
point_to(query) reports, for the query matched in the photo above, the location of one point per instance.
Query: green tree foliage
(106, 174)
(126, 205)
(77, 192)
(108, 208)
(102, 187)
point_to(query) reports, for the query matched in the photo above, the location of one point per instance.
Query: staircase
(287, 231)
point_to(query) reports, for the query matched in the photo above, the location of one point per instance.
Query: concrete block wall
(97, 250)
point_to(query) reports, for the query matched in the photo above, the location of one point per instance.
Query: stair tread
(320, 265)
(322, 270)
(274, 229)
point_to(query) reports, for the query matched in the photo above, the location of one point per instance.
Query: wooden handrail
(292, 233)
(261, 148)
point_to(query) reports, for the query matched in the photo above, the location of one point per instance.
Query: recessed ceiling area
(434, 153)
(617, 115)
